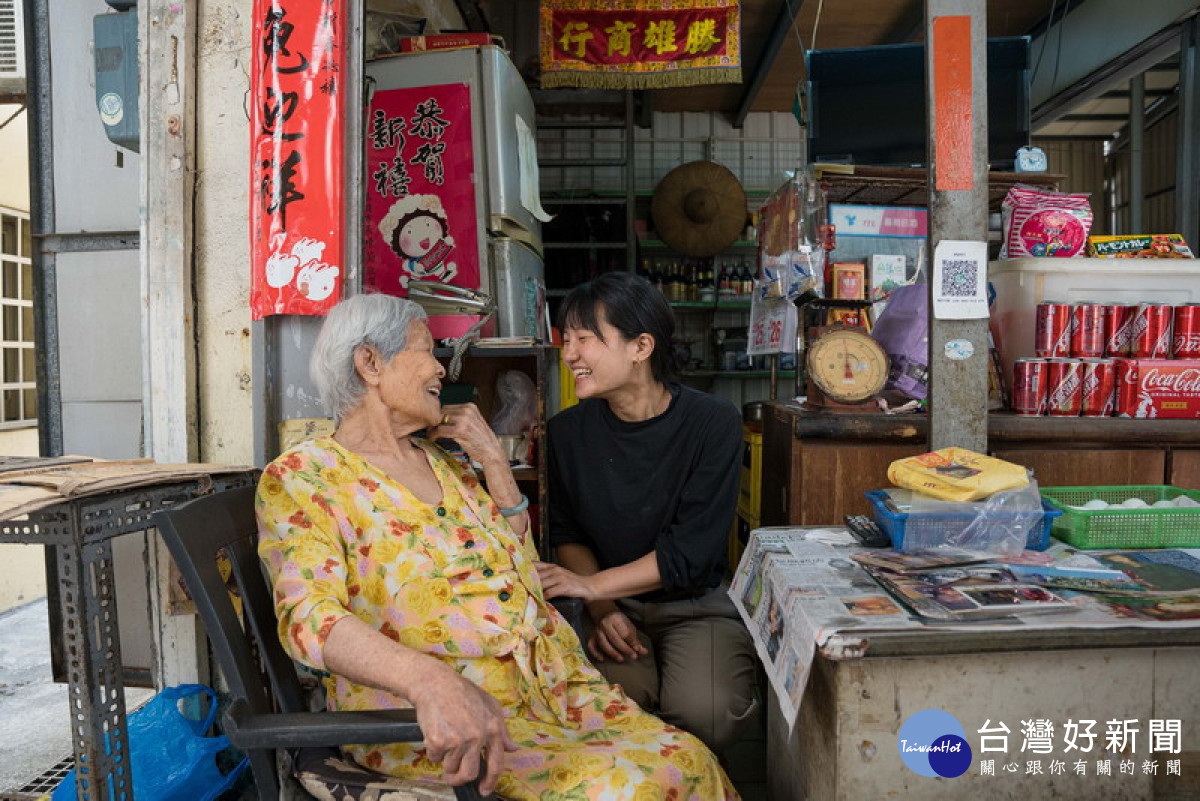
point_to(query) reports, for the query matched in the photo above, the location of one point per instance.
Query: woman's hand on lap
(558, 582)
(462, 723)
(615, 638)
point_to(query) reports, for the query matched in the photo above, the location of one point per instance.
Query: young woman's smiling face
(602, 361)
(419, 235)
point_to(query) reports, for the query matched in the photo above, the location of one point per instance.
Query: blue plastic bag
(172, 759)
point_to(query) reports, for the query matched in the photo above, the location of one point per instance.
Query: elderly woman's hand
(464, 424)
(462, 724)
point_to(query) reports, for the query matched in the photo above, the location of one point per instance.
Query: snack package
(957, 474)
(1149, 246)
(1044, 223)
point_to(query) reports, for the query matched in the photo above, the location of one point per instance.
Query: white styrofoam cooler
(1021, 284)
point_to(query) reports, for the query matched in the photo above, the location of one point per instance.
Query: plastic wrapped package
(791, 256)
(999, 524)
(957, 474)
(516, 404)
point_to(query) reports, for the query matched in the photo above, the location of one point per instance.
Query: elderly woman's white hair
(381, 321)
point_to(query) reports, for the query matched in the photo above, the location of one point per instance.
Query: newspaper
(798, 589)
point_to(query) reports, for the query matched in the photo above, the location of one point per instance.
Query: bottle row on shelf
(700, 280)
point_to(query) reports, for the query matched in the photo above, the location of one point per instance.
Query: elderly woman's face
(412, 381)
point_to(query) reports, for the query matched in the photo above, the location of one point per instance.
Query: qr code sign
(960, 278)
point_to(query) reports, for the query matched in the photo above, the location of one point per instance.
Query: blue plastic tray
(894, 523)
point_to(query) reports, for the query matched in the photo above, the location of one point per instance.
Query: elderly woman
(397, 574)
(643, 486)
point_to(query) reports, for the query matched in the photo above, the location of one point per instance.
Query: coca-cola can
(1064, 387)
(1029, 387)
(1052, 337)
(1099, 387)
(1186, 343)
(1117, 320)
(1087, 330)
(1150, 331)
(1127, 382)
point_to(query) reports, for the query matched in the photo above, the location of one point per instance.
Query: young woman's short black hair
(631, 305)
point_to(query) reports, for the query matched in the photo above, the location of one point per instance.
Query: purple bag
(903, 332)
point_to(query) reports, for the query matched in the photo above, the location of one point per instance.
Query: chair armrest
(250, 731)
(572, 610)
(307, 729)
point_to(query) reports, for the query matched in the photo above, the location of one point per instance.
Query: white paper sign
(772, 326)
(960, 280)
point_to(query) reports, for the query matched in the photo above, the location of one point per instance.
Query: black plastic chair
(196, 532)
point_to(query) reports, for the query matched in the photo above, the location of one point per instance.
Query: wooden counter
(816, 466)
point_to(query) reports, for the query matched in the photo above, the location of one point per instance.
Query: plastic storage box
(1124, 528)
(895, 524)
(1021, 284)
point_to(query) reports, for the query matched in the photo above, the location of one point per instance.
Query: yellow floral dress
(339, 537)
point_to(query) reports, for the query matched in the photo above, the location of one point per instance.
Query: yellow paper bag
(956, 474)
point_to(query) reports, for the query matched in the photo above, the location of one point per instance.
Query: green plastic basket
(1124, 528)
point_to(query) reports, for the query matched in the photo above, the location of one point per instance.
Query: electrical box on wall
(115, 51)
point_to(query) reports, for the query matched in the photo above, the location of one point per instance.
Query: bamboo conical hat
(699, 208)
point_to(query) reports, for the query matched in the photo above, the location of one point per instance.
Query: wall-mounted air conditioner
(12, 48)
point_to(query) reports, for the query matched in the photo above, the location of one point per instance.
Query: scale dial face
(847, 364)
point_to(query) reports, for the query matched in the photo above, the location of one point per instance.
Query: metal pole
(1187, 165)
(956, 70)
(1137, 136)
(41, 218)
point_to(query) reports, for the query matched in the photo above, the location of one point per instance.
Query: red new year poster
(420, 220)
(296, 151)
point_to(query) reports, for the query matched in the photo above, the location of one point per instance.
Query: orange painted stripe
(952, 103)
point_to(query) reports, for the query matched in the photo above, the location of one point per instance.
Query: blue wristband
(513, 511)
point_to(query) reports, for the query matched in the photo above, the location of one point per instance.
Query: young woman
(643, 488)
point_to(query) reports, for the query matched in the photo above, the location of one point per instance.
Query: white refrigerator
(469, 111)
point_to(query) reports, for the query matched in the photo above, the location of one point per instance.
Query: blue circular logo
(933, 743)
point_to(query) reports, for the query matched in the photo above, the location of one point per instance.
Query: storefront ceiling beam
(958, 209)
(1086, 77)
(1187, 162)
(784, 21)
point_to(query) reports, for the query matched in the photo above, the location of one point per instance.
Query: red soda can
(1127, 383)
(1029, 387)
(1187, 332)
(1052, 337)
(1150, 331)
(1099, 388)
(1087, 330)
(1064, 385)
(1117, 320)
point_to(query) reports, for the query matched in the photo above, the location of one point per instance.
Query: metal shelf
(692, 305)
(658, 244)
(583, 201)
(736, 375)
(584, 245)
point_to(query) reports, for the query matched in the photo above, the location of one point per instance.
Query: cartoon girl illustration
(416, 230)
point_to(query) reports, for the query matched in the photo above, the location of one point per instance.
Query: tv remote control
(867, 532)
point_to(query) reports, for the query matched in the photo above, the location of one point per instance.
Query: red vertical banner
(296, 157)
(420, 220)
(954, 140)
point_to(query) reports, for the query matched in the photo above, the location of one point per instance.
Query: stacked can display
(1086, 351)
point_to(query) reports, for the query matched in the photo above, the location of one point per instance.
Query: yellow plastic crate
(750, 494)
(739, 537)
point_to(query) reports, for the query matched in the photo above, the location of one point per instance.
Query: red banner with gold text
(296, 157)
(639, 44)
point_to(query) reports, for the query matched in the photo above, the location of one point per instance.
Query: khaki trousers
(701, 671)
